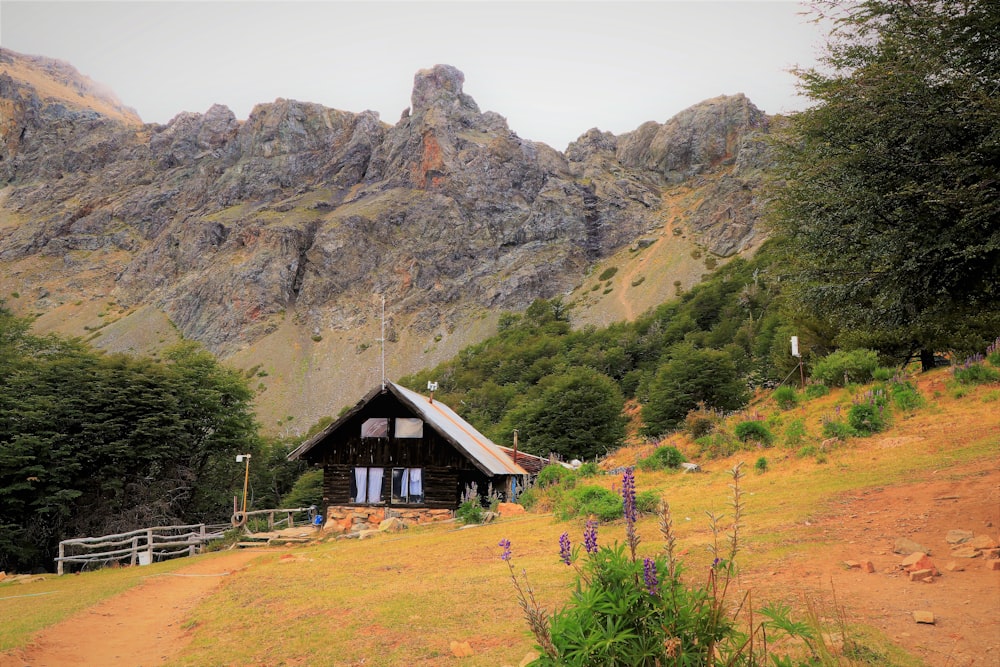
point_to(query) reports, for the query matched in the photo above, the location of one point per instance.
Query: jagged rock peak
(440, 85)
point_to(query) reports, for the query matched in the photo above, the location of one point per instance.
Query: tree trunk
(926, 360)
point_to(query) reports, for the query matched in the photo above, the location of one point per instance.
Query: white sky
(553, 69)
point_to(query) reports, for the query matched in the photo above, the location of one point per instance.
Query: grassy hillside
(404, 598)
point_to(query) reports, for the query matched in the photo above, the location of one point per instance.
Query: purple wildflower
(590, 537)
(649, 575)
(505, 545)
(628, 495)
(564, 548)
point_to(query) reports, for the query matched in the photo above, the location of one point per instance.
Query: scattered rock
(995, 565)
(852, 565)
(365, 534)
(868, 566)
(958, 536)
(921, 575)
(952, 566)
(905, 546)
(965, 552)
(690, 467)
(982, 542)
(918, 561)
(924, 617)
(461, 649)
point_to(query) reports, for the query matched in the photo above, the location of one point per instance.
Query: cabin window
(407, 485)
(376, 427)
(408, 427)
(366, 487)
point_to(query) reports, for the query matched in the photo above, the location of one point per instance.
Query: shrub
(701, 421)
(528, 498)
(608, 273)
(866, 418)
(905, 396)
(590, 501)
(833, 428)
(631, 610)
(754, 431)
(795, 432)
(975, 373)
(647, 502)
(808, 450)
(815, 390)
(663, 458)
(717, 445)
(761, 465)
(846, 366)
(307, 490)
(786, 397)
(882, 374)
(470, 512)
(554, 474)
(588, 469)
(993, 352)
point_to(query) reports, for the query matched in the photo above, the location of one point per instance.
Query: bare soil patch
(143, 626)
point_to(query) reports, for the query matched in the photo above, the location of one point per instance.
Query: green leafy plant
(590, 501)
(974, 371)
(836, 428)
(754, 431)
(637, 611)
(666, 457)
(786, 397)
(761, 465)
(845, 366)
(555, 474)
(608, 273)
(795, 432)
(905, 396)
(866, 418)
(816, 390)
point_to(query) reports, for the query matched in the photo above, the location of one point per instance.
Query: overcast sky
(553, 69)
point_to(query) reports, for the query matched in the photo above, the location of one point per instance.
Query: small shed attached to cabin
(399, 450)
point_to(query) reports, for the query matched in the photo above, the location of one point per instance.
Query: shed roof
(480, 450)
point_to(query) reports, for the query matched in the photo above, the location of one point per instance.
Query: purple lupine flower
(590, 537)
(628, 495)
(649, 575)
(565, 549)
(505, 545)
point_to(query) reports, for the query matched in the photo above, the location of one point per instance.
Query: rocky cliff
(296, 217)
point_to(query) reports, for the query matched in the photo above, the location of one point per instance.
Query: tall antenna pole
(382, 340)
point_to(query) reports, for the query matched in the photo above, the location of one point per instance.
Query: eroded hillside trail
(141, 627)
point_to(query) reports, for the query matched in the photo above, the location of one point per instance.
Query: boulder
(905, 546)
(510, 509)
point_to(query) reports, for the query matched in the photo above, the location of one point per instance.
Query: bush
(846, 366)
(701, 421)
(833, 428)
(786, 397)
(717, 445)
(755, 431)
(761, 465)
(816, 390)
(554, 474)
(882, 374)
(993, 352)
(590, 501)
(905, 396)
(307, 490)
(975, 373)
(663, 458)
(528, 498)
(588, 469)
(795, 432)
(470, 512)
(647, 502)
(866, 418)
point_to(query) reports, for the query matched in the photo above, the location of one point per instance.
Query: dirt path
(141, 627)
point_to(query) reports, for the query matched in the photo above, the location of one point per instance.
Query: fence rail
(142, 546)
(306, 515)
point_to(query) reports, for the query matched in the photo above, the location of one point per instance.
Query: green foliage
(594, 501)
(786, 397)
(470, 512)
(717, 444)
(631, 610)
(795, 432)
(905, 396)
(975, 373)
(93, 443)
(816, 390)
(888, 192)
(663, 458)
(555, 474)
(882, 374)
(845, 366)
(835, 428)
(754, 431)
(701, 421)
(693, 376)
(608, 273)
(761, 465)
(307, 491)
(588, 469)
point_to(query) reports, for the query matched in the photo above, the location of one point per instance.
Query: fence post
(149, 541)
(135, 550)
(270, 521)
(62, 552)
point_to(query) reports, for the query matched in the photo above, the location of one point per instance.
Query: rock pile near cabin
(228, 226)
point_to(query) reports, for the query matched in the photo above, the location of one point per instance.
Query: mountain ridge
(282, 232)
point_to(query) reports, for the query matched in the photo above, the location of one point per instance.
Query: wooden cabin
(399, 449)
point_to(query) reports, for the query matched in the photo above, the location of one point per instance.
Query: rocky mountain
(273, 240)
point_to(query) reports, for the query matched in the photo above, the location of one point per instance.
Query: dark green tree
(691, 376)
(888, 191)
(575, 414)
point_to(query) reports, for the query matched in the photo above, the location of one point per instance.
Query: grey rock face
(226, 224)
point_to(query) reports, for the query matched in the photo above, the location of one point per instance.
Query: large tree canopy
(890, 183)
(93, 443)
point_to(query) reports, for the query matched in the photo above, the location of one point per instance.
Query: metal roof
(479, 449)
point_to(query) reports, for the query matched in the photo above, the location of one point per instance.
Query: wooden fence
(142, 547)
(306, 515)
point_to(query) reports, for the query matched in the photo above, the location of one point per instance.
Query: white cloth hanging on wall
(375, 485)
(415, 487)
(361, 481)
